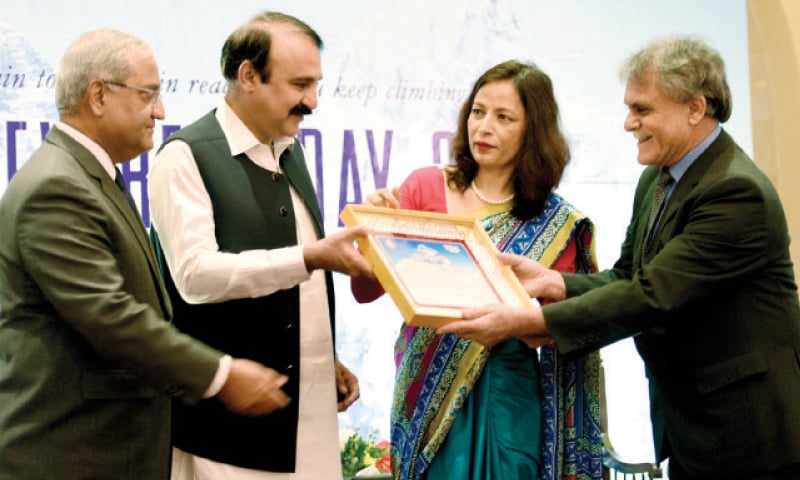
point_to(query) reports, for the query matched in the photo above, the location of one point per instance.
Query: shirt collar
(677, 170)
(95, 149)
(240, 138)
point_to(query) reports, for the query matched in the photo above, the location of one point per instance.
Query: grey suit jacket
(714, 311)
(87, 361)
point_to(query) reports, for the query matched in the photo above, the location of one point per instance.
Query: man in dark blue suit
(706, 287)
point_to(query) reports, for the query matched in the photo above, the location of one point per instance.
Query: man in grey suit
(708, 290)
(88, 357)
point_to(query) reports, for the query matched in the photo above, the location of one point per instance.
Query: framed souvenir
(433, 264)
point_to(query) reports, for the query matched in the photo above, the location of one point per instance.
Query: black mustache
(300, 110)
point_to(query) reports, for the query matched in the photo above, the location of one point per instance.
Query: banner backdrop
(395, 74)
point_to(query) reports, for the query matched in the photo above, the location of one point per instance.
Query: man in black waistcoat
(240, 234)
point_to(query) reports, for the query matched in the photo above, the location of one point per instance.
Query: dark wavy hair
(252, 41)
(544, 152)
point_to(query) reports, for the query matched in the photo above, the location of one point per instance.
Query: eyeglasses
(151, 96)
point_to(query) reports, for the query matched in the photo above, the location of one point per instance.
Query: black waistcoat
(252, 210)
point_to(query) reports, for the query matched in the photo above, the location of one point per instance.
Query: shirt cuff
(220, 377)
(295, 266)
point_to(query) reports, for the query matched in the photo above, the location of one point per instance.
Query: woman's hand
(384, 197)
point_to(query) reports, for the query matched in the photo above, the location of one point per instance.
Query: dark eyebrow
(305, 79)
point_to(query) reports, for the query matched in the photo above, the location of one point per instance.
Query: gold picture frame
(433, 264)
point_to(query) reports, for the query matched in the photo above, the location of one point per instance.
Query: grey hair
(97, 55)
(685, 67)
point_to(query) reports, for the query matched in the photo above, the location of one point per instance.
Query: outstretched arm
(367, 289)
(491, 324)
(338, 253)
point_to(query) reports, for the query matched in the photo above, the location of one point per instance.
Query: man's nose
(631, 122)
(310, 99)
(159, 111)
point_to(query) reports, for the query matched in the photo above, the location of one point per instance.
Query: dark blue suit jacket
(714, 311)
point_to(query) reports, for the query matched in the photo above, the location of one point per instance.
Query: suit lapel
(649, 178)
(110, 190)
(685, 186)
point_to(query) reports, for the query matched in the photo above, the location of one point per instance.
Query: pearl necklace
(486, 200)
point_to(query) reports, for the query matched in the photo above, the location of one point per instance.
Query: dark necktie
(663, 181)
(120, 181)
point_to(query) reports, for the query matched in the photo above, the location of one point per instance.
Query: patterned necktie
(120, 181)
(663, 181)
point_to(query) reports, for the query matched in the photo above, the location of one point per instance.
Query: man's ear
(697, 108)
(96, 97)
(247, 76)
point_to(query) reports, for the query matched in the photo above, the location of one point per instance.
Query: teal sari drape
(504, 406)
(463, 411)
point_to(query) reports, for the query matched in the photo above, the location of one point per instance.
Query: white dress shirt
(182, 213)
(102, 157)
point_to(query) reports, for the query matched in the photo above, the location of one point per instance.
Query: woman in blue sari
(461, 409)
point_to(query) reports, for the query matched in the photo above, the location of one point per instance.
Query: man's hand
(367, 289)
(538, 281)
(346, 386)
(338, 253)
(491, 324)
(383, 197)
(253, 389)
